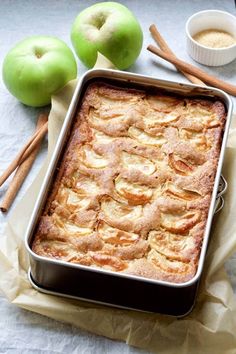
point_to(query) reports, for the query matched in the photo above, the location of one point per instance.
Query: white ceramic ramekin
(210, 19)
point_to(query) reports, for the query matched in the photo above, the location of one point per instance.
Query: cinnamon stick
(25, 164)
(191, 69)
(24, 152)
(164, 46)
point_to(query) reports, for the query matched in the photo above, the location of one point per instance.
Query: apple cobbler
(133, 189)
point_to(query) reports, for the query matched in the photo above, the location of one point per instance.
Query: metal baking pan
(108, 287)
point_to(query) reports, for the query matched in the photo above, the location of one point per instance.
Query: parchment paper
(210, 328)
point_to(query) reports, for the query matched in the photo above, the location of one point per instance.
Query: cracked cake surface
(133, 189)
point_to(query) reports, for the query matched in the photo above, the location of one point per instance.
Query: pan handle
(223, 185)
(219, 204)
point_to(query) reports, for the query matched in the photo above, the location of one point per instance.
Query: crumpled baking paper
(209, 328)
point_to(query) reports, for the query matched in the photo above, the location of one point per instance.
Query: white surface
(23, 331)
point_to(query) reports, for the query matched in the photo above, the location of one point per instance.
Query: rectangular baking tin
(104, 286)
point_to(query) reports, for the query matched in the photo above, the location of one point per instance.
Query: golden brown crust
(133, 190)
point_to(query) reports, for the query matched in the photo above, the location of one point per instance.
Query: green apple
(110, 29)
(36, 68)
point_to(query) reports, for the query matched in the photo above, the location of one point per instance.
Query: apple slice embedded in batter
(132, 161)
(172, 245)
(114, 111)
(171, 266)
(115, 236)
(180, 223)
(133, 192)
(91, 159)
(70, 227)
(55, 249)
(153, 119)
(163, 103)
(102, 138)
(146, 138)
(96, 121)
(86, 185)
(199, 113)
(117, 211)
(72, 200)
(78, 230)
(107, 261)
(198, 139)
(173, 191)
(180, 166)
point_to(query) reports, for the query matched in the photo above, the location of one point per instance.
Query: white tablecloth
(22, 331)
